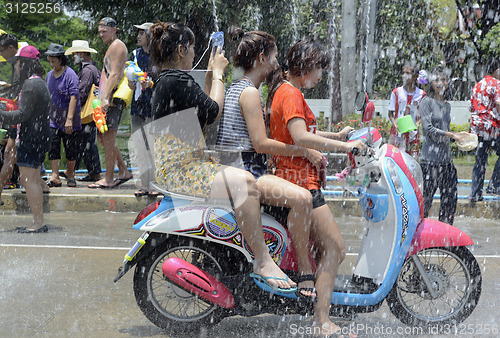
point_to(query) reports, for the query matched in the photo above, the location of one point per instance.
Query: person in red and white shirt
(405, 100)
(485, 123)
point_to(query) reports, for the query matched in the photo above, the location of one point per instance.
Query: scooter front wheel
(166, 304)
(455, 277)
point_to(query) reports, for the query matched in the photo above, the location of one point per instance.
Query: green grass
(465, 163)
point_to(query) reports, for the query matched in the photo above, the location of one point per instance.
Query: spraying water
(333, 73)
(294, 21)
(365, 47)
(214, 14)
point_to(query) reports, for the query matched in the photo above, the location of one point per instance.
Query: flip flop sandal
(71, 183)
(119, 181)
(53, 184)
(100, 186)
(140, 192)
(43, 229)
(45, 192)
(264, 280)
(299, 294)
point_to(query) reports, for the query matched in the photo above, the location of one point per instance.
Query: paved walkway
(122, 199)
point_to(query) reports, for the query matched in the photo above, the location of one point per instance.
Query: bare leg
(243, 190)
(30, 179)
(279, 192)
(70, 172)
(9, 159)
(108, 141)
(54, 165)
(330, 253)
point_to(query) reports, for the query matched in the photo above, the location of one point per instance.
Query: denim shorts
(29, 159)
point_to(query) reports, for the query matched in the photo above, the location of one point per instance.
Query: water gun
(8, 105)
(99, 116)
(134, 73)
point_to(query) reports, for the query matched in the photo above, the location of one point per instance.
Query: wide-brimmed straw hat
(79, 46)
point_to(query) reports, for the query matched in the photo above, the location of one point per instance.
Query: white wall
(459, 109)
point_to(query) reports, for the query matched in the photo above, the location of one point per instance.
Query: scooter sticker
(275, 244)
(406, 218)
(220, 223)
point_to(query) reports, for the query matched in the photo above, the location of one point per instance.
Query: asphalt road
(61, 284)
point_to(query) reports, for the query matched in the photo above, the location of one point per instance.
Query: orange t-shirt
(289, 103)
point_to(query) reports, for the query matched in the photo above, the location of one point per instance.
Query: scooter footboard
(431, 234)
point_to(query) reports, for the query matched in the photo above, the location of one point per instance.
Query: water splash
(365, 47)
(294, 20)
(214, 14)
(333, 73)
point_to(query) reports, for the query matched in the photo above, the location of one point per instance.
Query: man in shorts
(112, 73)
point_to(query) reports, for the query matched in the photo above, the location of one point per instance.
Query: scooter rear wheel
(166, 304)
(456, 279)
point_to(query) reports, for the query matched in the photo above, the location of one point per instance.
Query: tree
(41, 29)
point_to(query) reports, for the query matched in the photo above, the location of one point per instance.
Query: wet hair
(251, 45)
(7, 40)
(415, 68)
(62, 58)
(165, 38)
(493, 64)
(305, 56)
(28, 67)
(437, 71)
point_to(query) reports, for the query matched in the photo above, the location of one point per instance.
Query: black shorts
(318, 198)
(72, 144)
(113, 116)
(281, 213)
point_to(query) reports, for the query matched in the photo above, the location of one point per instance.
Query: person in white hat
(88, 75)
(140, 111)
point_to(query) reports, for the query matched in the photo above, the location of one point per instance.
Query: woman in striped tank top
(243, 139)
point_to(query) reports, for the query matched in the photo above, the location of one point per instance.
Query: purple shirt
(61, 89)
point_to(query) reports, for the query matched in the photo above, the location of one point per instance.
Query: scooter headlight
(393, 174)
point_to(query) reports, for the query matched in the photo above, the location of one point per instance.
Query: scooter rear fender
(431, 233)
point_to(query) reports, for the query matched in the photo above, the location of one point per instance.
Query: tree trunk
(335, 91)
(348, 56)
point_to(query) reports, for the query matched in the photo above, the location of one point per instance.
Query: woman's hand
(358, 144)
(68, 127)
(218, 64)
(345, 132)
(458, 137)
(315, 157)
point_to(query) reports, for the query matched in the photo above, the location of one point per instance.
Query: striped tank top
(233, 133)
(233, 138)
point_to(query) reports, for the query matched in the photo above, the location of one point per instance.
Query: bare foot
(270, 269)
(327, 329)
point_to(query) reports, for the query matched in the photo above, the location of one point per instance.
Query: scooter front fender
(154, 240)
(431, 233)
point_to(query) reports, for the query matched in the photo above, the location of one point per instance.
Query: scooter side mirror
(361, 101)
(368, 112)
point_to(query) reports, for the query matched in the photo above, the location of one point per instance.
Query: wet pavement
(61, 283)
